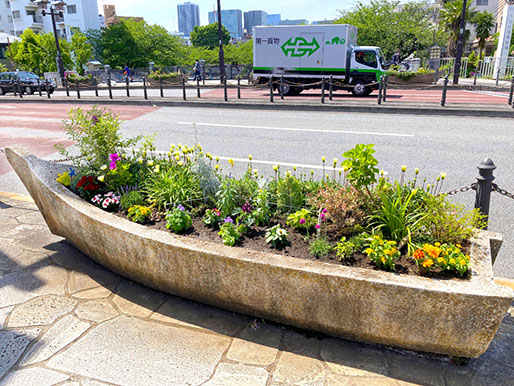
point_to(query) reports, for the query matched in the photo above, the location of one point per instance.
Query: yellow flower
(217, 167)
(368, 251)
(404, 168)
(180, 163)
(250, 157)
(437, 244)
(64, 178)
(394, 250)
(177, 158)
(381, 242)
(275, 167)
(156, 168)
(387, 252)
(383, 259)
(335, 162)
(462, 262)
(440, 260)
(150, 163)
(101, 178)
(140, 160)
(452, 261)
(458, 245)
(294, 168)
(217, 159)
(443, 176)
(416, 170)
(323, 159)
(428, 263)
(312, 172)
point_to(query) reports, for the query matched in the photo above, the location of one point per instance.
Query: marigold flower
(418, 254)
(462, 262)
(440, 259)
(428, 263)
(64, 178)
(368, 251)
(383, 259)
(437, 244)
(452, 261)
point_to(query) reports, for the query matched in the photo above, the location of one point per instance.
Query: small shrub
(230, 233)
(139, 214)
(208, 180)
(301, 219)
(361, 166)
(447, 257)
(227, 197)
(345, 249)
(212, 218)
(159, 74)
(108, 201)
(262, 207)
(383, 252)
(178, 220)
(276, 236)
(320, 247)
(290, 196)
(130, 199)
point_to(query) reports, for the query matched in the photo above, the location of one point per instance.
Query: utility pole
(56, 10)
(220, 37)
(460, 44)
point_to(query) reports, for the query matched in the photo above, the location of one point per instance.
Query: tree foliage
(484, 22)
(450, 18)
(207, 36)
(82, 51)
(392, 25)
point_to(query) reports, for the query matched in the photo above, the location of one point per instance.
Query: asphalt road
(433, 144)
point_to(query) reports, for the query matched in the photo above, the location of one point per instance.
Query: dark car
(28, 82)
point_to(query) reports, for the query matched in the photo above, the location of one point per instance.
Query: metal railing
(489, 63)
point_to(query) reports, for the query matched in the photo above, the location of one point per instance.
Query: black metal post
(511, 90)
(271, 89)
(384, 91)
(323, 90)
(19, 88)
(281, 89)
(460, 44)
(78, 89)
(445, 86)
(436, 76)
(144, 87)
(39, 86)
(198, 87)
(475, 78)
(127, 86)
(225, 95)
(380, 85)
(95, 85)
(485, 180)
(203, 74)
(66, 87)
(220, 38)
(47, 89)
(109, 84)
(238, 88)
(331, 87)
(160, 85)
(184, 88)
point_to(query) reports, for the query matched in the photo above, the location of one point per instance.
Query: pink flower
(112, 166)
(106, 203)
(317, 226)
(114, 157)
(324, 210)
(302, 221)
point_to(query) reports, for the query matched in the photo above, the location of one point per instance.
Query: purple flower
(180, 207)
(114, 157)
(112, 165)
(324, 211)
(247, 208)
(228, 219)
(94, 119)
(317, 226)
(302, 221)
(72, 173)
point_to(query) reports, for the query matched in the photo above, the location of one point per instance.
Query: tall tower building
(231, 19)
(188, 17)
(253, 18)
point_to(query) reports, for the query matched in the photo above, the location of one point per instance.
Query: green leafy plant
(160, 74)
(301, 219)
(345, 249)
(447, 257)
(178, 220)
(276, 236)
(407, 75)
(382, 252)
(230, 233)
(262, 207)
(227, 197)
(139, 214)
(290, 196)
(361, 166)
(320, 247)
(177, 185)
(131, 198)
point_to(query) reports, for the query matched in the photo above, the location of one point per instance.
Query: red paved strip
(38, 126)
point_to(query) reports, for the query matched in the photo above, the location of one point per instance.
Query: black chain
(503, 192)
(463, 189)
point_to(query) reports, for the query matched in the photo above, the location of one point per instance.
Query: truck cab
(367, 64)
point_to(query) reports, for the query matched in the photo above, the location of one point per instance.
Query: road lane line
(7, 107)
(29, 119)
(298, 129)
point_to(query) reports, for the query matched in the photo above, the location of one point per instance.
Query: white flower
(156, 169)
(101, 178)
(103, 167)
(150, 163)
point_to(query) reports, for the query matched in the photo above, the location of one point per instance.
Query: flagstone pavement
(64, 320)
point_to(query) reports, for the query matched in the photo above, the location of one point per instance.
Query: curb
(471, 111)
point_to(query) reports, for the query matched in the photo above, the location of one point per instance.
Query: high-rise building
(231, 19)
(188, 17)
(253, 18)
(6, 25)
(78, 15)
(273, 19)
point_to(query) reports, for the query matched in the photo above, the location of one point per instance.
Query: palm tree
(484, 22)
(449, 20)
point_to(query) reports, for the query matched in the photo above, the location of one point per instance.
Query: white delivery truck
(303, 55)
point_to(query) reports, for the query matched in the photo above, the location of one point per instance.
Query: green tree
(484, 22)
(82, 51)
(207, 36)
(241, 53)
(3, 68)
(94, 37)
(450, 17)
(391, 25)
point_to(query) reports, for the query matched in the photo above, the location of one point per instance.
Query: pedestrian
(126, 72)
(196, 70)
(396, 58)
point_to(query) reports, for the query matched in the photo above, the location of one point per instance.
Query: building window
(73, 8)
(483, 2)
(9, 18)
(7, 4)
(16, 15)
(2, 52)
(31, 13)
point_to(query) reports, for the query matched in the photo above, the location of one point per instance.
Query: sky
(164, 12)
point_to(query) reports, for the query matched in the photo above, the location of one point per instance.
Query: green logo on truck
(299, 47)
(336, 41)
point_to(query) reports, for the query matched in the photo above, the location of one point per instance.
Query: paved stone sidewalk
(65, 320)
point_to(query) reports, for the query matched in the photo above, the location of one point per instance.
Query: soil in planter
(298, 247)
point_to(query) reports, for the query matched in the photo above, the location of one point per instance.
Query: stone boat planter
(452, 317)
(416, 79)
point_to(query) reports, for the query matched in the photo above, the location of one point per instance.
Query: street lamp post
(221, 53)
(56, 9)
(460, 44)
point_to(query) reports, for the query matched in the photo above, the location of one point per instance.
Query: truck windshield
(382, 59)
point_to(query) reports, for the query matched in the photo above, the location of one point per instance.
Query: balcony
(37, 22)
(59, 19)
(31, 5)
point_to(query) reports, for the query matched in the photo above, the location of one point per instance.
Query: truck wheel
(2, 92)
(359, 89)
(28, 90)
(286, 89)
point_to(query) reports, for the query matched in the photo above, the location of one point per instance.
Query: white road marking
(4, 118)
(29, 132)
(493, 93)
(298, 129)
(7, 107)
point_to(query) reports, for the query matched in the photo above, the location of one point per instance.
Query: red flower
(87, 183)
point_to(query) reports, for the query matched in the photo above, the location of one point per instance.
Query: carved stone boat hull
(452, 317)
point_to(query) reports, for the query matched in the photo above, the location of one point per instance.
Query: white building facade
(6, 24)
(78, 15)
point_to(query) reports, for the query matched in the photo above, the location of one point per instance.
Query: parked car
(28, 82)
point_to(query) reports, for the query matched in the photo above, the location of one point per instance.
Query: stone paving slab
(65, 320)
